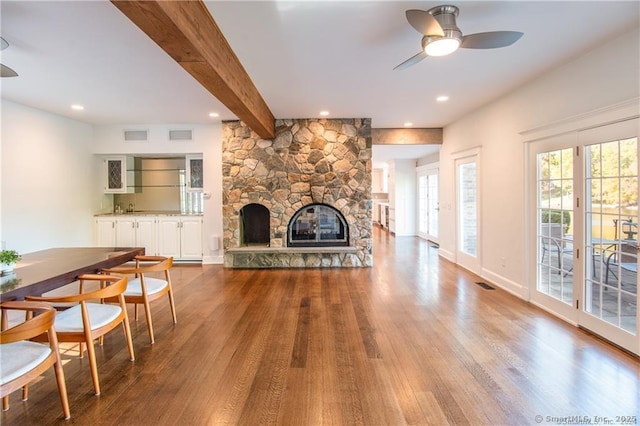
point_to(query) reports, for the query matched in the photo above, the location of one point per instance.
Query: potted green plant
(8, 259)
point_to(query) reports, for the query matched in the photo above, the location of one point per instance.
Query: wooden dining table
(42, 271)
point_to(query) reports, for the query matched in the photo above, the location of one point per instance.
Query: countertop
(148, 213)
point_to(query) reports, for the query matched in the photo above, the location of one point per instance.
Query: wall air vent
(181, 135)
(136, 135)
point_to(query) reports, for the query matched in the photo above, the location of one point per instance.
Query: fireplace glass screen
(317, 225)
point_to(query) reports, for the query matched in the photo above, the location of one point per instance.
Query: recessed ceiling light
(324, 113)
(442, 98)
(77, 107)
(408, 124)
(214, 114)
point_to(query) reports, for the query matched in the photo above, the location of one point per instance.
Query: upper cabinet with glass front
(119, 174)
(115, 174)
(195, 175)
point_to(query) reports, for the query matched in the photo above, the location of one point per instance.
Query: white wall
(47, 180)
(402, 197)
(207, 140)
(605, 76)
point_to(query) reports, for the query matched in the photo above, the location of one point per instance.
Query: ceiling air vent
(181, 135)
(136, 135)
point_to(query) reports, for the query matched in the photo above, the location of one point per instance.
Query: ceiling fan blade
(424, 23)
(3, 44)
(490, 40)
(5, 71)
(411, 61)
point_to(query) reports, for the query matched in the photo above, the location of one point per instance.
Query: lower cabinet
(137, 232)
(105, 235)
(180, 237)
(177, 236)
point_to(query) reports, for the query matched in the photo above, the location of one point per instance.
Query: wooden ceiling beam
(418, 136)
(188, 33)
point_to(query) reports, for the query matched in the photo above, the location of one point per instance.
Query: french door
(467, 213)
(428, 204)
(586, 216)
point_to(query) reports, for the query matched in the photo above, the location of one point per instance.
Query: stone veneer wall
(309, 161)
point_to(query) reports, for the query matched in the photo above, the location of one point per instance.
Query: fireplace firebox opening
(317, 225)
(254, 225)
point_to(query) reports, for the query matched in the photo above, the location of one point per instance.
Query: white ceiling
(303, 56)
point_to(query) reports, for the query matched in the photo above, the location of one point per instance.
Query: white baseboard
(213, 260)
(515, 288)
(447, 255)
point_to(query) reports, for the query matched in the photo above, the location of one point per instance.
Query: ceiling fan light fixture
(442, 46)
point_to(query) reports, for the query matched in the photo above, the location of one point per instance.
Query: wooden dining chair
(90, 318)
(143, 289)
(23, 361)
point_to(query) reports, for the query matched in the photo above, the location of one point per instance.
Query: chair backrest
(33, 326)
(552, 230)
(113, 286)
(154, 263)
(144, 264)
(628, 252)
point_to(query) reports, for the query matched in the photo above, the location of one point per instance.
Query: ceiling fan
(441, 35)
(5, 71)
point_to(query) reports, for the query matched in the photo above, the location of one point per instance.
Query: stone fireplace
(302, 199)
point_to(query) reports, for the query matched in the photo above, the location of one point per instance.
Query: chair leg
(135, 311)
(173, 307)
(94, 367)
(147, 313)
(127, 335)
(5, 403)
(25, 392)
(62, 384)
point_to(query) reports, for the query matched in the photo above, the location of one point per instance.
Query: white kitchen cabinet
(169, 236)
(115, 174)
(105, 235)
(137, 231)
(120, 175)
(195, 172)
(146, 234)
(127, 231)
(180, 237)
(191, 238)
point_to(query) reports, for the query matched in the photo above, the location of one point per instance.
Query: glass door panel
(433, 208)
(423, 200)
(611, 197)
(467, 209)
(555, 224)
(468, 224)
(428, 204)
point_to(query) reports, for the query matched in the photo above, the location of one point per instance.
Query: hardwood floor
(413, 340)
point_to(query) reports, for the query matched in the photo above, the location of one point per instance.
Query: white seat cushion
(19, 358)
(153, 285)
(99, 315)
